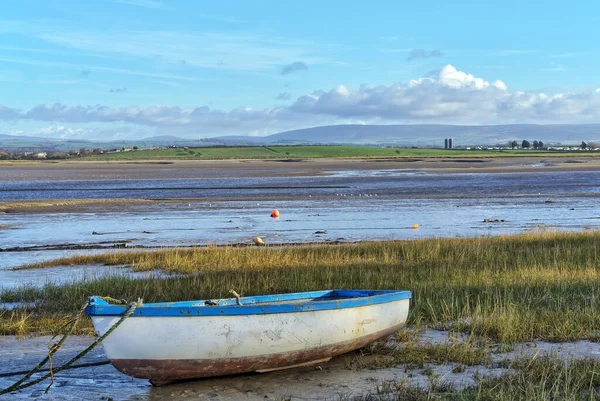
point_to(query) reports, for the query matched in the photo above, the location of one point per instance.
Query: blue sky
(138, 68)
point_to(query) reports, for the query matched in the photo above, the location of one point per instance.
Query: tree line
(527, 145)
(540, 145)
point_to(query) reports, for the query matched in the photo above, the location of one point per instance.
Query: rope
(237, 297)
(18, 386)
(81, 365)
(115, 301)
(50, 353)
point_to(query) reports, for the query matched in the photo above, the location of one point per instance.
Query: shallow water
(342, 206)
(65, 275)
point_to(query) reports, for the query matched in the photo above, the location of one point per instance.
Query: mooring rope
(79, 366)
(50, 353)
(237, 297)
(19, 386)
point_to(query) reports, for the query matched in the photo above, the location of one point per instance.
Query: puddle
(572, 350)
(66, 274)
(329, 381)
(9, 260)
(15, 305)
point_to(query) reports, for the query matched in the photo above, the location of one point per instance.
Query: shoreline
(69, 172)
(95, 170)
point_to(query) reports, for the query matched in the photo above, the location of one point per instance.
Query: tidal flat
(487, 312)
(502, 309)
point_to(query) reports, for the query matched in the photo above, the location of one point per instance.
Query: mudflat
(93, 170)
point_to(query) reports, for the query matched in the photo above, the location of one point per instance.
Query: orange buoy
(415, 226)
(275, 213)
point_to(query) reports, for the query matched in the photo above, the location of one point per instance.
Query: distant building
(446, 143)
(41, 155)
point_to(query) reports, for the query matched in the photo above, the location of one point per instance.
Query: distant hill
(423, 135)
(13, 143)
(166, 138)
(432, 135)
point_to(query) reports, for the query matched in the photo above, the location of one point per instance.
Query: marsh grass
(416, 355)
(533, 379)
(507, 289)
(23, 322)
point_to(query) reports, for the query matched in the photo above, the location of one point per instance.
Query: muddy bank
(74, 247)
(106, 170)
(343, 207)
(66, 205)
(331, 381)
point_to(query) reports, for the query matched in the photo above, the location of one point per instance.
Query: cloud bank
(453, 96)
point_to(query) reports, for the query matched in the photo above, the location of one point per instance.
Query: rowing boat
(171, 341)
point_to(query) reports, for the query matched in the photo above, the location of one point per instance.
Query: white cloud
(242, 119)
(451, 77)
(451, 96)
(54, 131)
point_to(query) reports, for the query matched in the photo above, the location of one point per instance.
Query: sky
(130, 69)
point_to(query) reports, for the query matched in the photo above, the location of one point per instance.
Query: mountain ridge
(423, 135)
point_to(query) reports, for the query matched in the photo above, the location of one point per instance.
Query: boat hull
(169, 348)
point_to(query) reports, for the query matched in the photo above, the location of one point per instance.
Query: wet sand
(90, 170)
(39, 219)
(330, 381)
(65, 171)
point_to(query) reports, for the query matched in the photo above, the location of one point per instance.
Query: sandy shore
(66, 171)
(88, 170)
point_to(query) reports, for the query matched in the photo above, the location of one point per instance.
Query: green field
(283, 152)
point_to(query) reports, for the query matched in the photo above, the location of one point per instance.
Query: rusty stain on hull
(182, 369)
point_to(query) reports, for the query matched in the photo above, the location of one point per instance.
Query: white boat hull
(167, 348)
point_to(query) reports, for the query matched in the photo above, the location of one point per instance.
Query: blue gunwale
(257, 305)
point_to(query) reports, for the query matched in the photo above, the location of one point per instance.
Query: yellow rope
(237, 297)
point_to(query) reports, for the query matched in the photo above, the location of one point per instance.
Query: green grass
(299, 152)
(506, 289)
